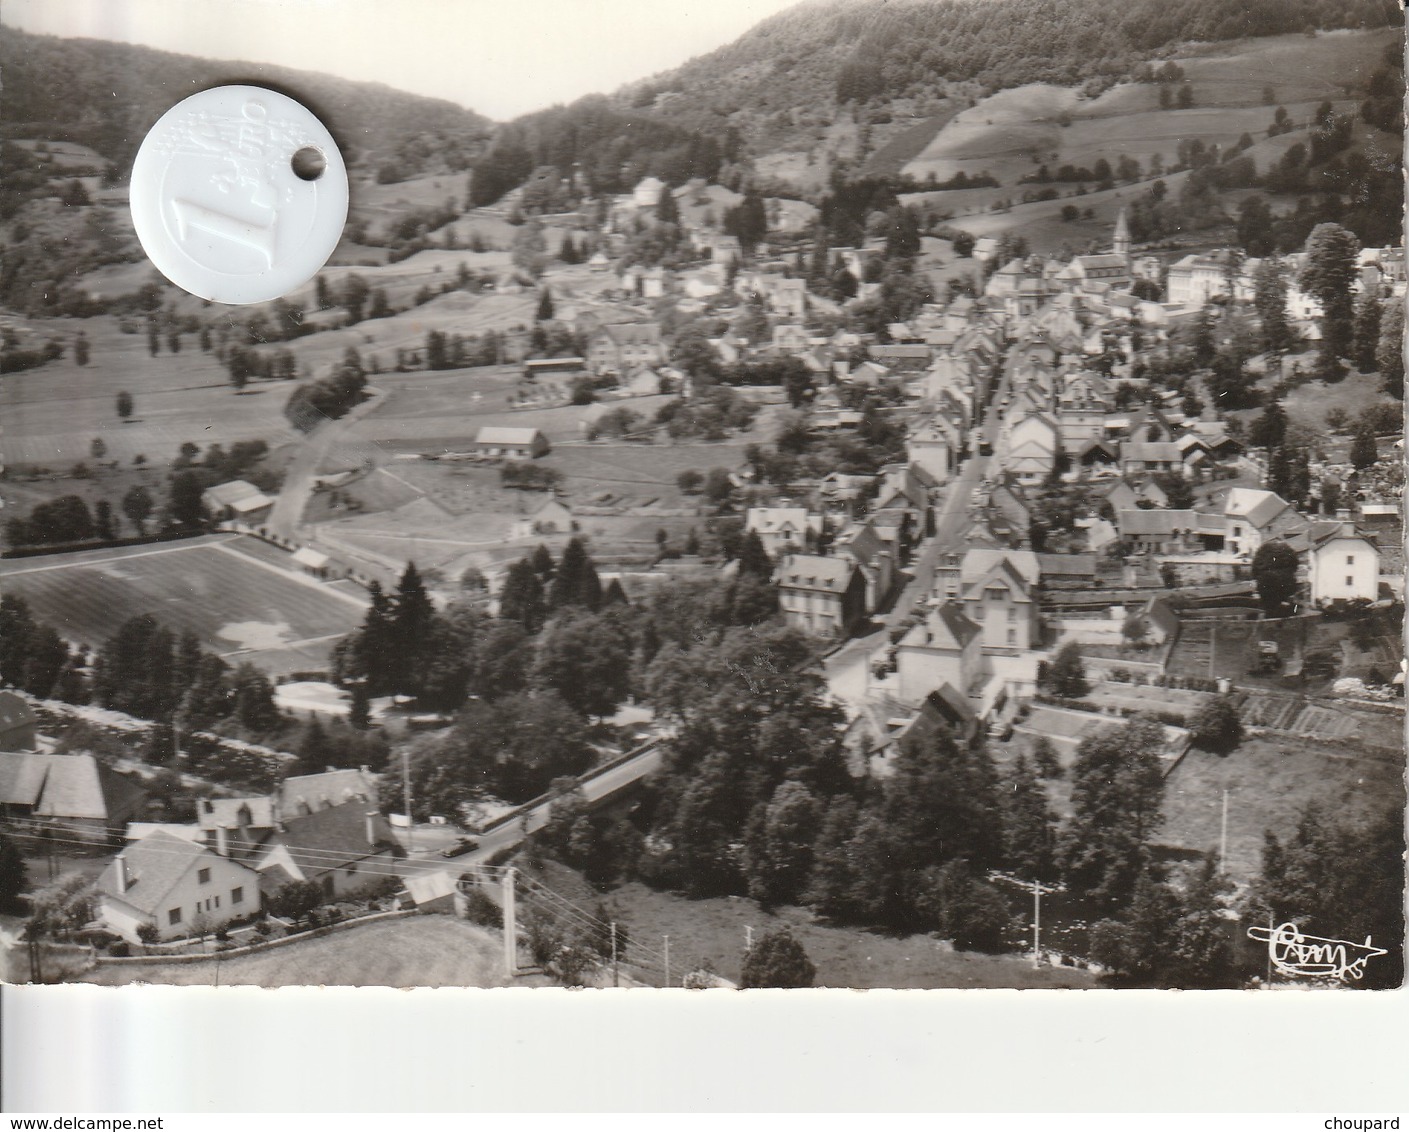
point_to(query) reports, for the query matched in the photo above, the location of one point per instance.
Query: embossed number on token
(239, 194)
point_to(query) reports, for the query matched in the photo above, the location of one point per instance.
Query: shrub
(481, 910)
(119, 949)
(148, 933)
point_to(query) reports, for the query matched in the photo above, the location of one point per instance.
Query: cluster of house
(323, 828)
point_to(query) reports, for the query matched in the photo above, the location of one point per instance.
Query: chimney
(122, 881)
(372, 828)
(222, 841)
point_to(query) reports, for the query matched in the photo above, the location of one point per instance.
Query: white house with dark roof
(825, 597)
(171, 883)
(945, 648)
(783, 530)
(1343, 565)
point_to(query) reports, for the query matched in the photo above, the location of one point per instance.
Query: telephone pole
(406, 786)
(667, 961)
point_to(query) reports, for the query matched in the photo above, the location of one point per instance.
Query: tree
(689, 481)
(103, 519)
(1328, 274)
(81, 349)
(1044, 758)
(1269, 430)
(1117, 788)
(137, 505)
(184, 501)
(1367, 331)
(575, 581)
(295, 900)
(779, 844)
(1274, 570)
(964, 909)
(777, 960)
(545, 306)
(753, 559)
(1218, 727)
(522, 599)
(1389, 355)
(1342, 880)
(586, 660)
(14, 878)
(1067, 674)
(1029, 827)
(1270, 299)
(1363, 449)
(124, 404)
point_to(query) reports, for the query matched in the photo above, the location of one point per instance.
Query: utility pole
(511, 936)
(667, 961)
(616, 973)
(1223, 839)
(406, 786)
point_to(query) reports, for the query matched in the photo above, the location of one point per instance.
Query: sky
(501, 58)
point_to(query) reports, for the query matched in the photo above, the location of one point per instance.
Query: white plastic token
(239, 194)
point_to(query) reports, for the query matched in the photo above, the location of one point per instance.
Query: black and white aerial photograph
(876, 494)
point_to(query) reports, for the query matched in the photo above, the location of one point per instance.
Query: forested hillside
(107, 95)
(888, 49)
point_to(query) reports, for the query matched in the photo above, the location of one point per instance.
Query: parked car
(461, 846)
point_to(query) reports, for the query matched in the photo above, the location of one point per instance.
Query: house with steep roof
(945, 648)
(1032, 448)
(1000, 601)
(1343, 565)
(875, 556)
(511, 443)
(172, 884)
(18, 724)
(68, 792)
(234, 827)
(309, 793)
(783, 530)
(625, 346)
(647, 192)
(824, 597)
(1254, 516)
(551, 517)
(1147, 457)
(340, 848)
(934, 447)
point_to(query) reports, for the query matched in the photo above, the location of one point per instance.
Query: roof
(226, 813)
(979, 561)
(233, 493)
(864, 544)
(1155, 521)
(814, 572)
(427, 887)
(1067, 565)
(633, 333)
(1334, 532)
(154, 865)
(321, 841)
(319, 791)
(65, 786)
(1258, 507)
(1151, 450)
(496, 434)
(945, 628)
(766, 520)
(314, 559)
(1158, 611)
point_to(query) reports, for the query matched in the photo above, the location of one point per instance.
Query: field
(419, 951)
(243, 606)
(1269, 782)
(1308, 404)
(712, 932)
(1010, 133)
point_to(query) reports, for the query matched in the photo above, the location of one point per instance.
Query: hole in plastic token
(239, 194)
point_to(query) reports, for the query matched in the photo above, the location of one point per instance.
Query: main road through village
(847, 669)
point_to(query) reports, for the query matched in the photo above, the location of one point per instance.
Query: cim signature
(1293, 953)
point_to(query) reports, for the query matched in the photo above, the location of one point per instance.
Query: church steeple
(1121, 243)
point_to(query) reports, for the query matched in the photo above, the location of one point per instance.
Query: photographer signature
(1293, 953)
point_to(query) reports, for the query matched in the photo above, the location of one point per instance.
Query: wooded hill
(107, 95)
(881, 50)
